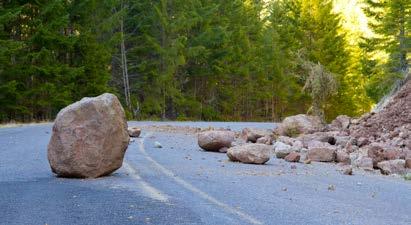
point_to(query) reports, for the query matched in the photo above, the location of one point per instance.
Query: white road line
(152, 192)
(195, 190)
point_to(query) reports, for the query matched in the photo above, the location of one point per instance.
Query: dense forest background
(202, 59)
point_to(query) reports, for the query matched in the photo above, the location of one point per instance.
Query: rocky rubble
(376, 141)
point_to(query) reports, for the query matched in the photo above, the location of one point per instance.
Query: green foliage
(193, 59)
(391, 22)
(52, 53)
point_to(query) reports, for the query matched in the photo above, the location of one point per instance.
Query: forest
(228, 60)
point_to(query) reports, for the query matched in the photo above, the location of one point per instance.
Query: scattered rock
(134, 132)
(331, 187)
(265, 140)
(361, 161)
(293, 157)
(341, 123)
(282, 150)
(307, 161)
(215, 140)
(300, 124)
(89, 138)
(250, 153)
(347, 170)
(322, 153)
(376, 153)
(407, 176)
(157, 144)
(252, 135)
(408, 163)
(392, 166)
(343, 157)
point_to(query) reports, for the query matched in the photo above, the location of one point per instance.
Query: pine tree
(391, 22)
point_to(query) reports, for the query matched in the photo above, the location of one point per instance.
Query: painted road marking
(149, 190)
(195, 190)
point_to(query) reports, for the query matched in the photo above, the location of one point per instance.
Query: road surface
(180, 184)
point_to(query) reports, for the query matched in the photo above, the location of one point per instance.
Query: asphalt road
(180, 184)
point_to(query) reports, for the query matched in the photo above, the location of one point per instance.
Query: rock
(157, 144)
(347, 170)
(341, 123)
(286, 140)
(342, 140)
(250, 153)
(407, 176)
(321, 152)
(408, 163)
(391, 154)
(376, 153)
(362, 141)
(265, 140)
(361, 161)
(214, 140)
(343, 157)
(252, 134)
(89, 138)
(307, 161)
(292, 157)
(134, 131)
(300, 124)
(396, 166)
(331, 187)
(282, 150)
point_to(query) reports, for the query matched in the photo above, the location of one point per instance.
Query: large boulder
(300, 124)
(250, 153)
(253, 134)
(214, 140)
(89, 138)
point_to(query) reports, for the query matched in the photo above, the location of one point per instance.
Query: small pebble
(331, 187)
(157, 144)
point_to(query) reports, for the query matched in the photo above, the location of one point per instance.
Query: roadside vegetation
(202, 59)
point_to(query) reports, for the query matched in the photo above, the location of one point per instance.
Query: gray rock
(396, 166)
(215, 140)
(250, 153)
(300, 124)
(89, 138)
(282, 150)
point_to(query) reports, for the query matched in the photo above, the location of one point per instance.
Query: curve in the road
(195, 190)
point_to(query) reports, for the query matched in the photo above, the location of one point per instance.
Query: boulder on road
(392, 166)
(252, 134)
(282, 150)
(321, 152)
(300, 124)
(89, 138)
(134, 132)
(214, 140)
(293, 157)
(250, 153)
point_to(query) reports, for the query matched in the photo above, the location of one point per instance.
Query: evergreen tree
(391, 22)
